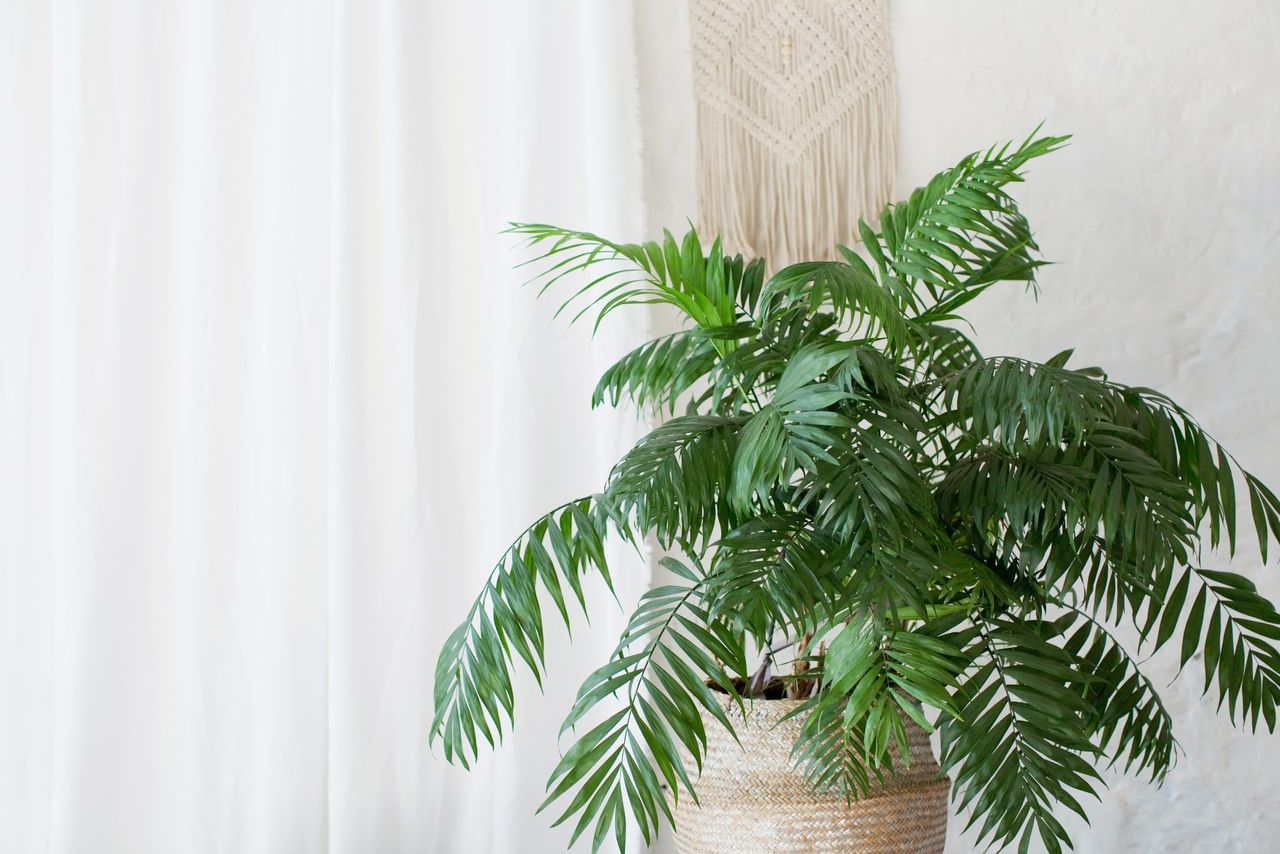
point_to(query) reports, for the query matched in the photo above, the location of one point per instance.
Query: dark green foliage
(757, 564)
(1129, 719)
(958, 533)
(661, 668)
(1021, 740)
(1234, 627)
(473, 692)
(653, 376)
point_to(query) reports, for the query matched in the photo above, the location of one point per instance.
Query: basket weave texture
(753, 800)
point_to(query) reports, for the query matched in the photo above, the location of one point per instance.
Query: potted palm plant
(906, 534)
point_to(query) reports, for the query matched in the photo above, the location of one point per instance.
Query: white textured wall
(1165, 217)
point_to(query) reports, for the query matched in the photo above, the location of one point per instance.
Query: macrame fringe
(797, 122)
(764, 205)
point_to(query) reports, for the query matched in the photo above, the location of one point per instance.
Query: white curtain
(271, 403)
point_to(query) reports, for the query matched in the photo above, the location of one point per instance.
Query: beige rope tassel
(797, 122)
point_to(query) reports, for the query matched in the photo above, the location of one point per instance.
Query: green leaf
(1011, 759)
(776, 569)
(1016, 401)
(669, 482)
(1130, 723)
(1239, 656)
(658, 673)
(760, 456)
(473, 682)
(960, 233)
(870, 679)
(849, 291)
(637, 274)
(656, 374)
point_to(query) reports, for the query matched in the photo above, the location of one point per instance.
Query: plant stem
(761, 677)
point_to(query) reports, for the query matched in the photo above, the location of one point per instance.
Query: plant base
(751, 799)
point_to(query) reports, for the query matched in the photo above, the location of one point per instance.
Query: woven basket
(751, 799)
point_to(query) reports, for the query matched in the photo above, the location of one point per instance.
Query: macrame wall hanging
(797, 122)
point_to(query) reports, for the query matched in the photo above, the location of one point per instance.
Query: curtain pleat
(273, 403)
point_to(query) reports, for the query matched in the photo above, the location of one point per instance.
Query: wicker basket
(753, 800)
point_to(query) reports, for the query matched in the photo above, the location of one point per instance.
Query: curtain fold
(273, 403)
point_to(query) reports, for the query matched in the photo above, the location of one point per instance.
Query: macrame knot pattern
(797, 122)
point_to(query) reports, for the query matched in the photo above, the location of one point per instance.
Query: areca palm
(935, 535)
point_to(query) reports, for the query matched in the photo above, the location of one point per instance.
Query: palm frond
(1234, 628)
(778, 570)
(869, 487)
(1113, 584)
(1019, 402)
(1019, 744)
(848, 290)
(659, 670)
(960, 233)
(874, 680)
(1143, 512)
(670, 272)
(1130, 724)
(795, 429)
(1187, 452)
(1030, 491)
(672, 482)
(473, 682)
(831, 757)
(941, 350)
(870, 495)
(749, 373)
(654, 375)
